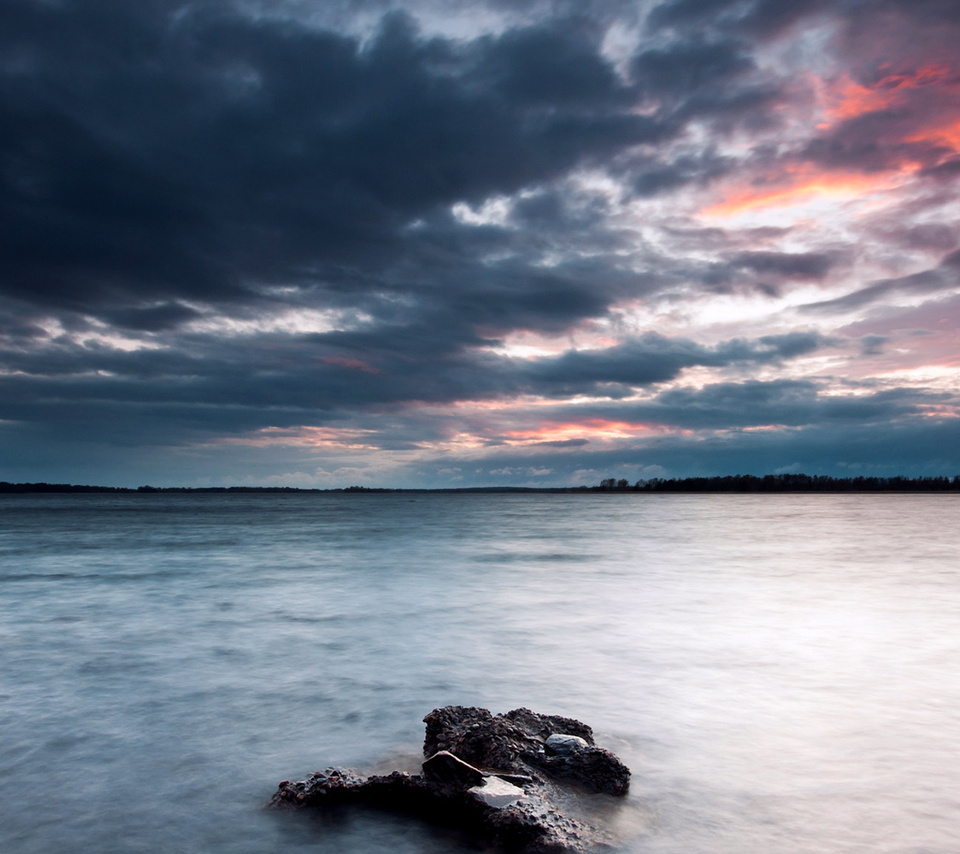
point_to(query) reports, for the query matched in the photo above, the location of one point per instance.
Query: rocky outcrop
(500, 777)
(524, 741)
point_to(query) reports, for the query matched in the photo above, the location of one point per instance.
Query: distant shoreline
(740, 484)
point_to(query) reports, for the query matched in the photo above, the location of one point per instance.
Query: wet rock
(502, 778)
(497, 792)
(516, 742)
(564, 745)
(444, 767)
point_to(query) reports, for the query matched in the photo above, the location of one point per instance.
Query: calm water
(781, 673)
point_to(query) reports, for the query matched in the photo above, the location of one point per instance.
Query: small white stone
(497, 793)
(566, 744)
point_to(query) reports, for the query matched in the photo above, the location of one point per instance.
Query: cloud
(684, 68)
(557, 65)
(398, 238)
(657, 178)
(943, 277)
(781, 403)
(238, 153)
(652, 358)
(795, 265)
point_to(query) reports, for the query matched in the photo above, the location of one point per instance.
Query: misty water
(780, 672)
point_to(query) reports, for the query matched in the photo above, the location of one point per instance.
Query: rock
(564, 745)
(499, 777)
(497, 792)
(516, 742)
(444, 767)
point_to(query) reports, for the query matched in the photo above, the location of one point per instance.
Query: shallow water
(780, 672)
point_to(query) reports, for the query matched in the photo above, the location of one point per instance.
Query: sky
(426, 243)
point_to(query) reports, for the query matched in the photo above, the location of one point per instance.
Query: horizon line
(739, 483)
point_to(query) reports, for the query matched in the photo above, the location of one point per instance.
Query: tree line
(727, 483)
(783, 483)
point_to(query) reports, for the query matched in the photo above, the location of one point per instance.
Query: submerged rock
(500, 777)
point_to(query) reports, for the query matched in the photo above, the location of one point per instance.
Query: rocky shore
(504, 778)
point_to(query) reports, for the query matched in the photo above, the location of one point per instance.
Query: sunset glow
(947, 134)
(798, 185)
(592, 428)
(848, 99)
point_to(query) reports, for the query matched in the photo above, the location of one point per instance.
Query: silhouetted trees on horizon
(784, 483)
(745, 483)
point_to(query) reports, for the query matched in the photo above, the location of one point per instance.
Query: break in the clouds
(433, 243)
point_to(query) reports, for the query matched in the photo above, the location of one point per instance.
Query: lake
(780, 672)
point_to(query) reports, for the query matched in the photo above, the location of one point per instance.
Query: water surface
(778, 671)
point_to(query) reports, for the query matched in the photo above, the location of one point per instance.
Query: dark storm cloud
(159, 161)
(662, 177)
(688, 67)
(206, 387)
(791, 403)
(695, 78)
(16, 328)
(153, 155)
(764, 271)
(651, 359)
(166, 315)
(552, 65)
(762, 17)
(751, 271)
(553, 212)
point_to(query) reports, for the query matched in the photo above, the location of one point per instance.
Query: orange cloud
(939, 412)
(841, 101)
(928, 75)
(798, 184)
(848, 99)
(946, 134)
(591, 428)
